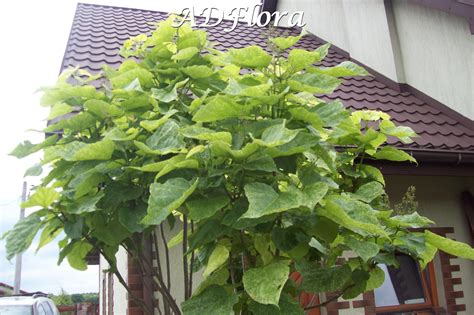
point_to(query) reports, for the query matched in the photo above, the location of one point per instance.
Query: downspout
(455, 158)
(269, 6)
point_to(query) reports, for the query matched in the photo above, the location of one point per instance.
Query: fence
(80, 309)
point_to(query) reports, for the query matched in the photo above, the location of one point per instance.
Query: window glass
(402, 285)
(41, 310)
(53, 308)
(16, 310)
(48, 309)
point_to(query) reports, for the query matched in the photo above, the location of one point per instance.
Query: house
(7, 290)
(420, 56)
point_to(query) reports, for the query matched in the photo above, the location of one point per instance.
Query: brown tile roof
(98, 32)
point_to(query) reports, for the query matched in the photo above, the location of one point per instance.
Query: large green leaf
(26, 148)
(214, 300)
(264, 284)
(364, 248)
(323, 279)
(376, 279)
(314, 83)
(313, 194)
(264, 200)
(167, 197)
(34, 170)
(285, 42)
(73, 229)
(260, 162)
(85, 204)
(166, 139)
(416, 245)
(262, 244)
(449, 246)
(152, 125)
(102, 109)
(242, 89)
(220, 148)
(372, 172)
(276, 135)
(352, 214)
(331, 113)
(42, 197)
(218, 277)
(109, 231)
(65, 92)
(392, 154)
(51, 230)
(368, 115)
(20, 237)
(158, 166)
(253, 57)
(208, 232)
(117, 134)
(219, 108)
(186, 53)
(59, 109)
(82, 121)
(80, 151)
(83, 183)
(206, 134)
(412, 220)
(369, 191)
(401, 132)
(303, 114)
(287, 306)
(205, 207)
(218, 257)
(77, 255)
(122, 80)
(344, 69)
(166, 95)
(131, 217)
(299, 59)
(198, 72)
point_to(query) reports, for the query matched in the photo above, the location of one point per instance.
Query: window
(48, 309)
(53, 307)
(41, 310)
(406, 289)
(16, 310)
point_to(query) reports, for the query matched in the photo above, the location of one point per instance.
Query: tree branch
(191, 265)
(185, 260)
(334, 298)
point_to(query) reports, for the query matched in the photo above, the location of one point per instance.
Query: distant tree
(85, 297)
(63, 298)
(77, 298)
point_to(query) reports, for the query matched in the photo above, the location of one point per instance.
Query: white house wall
(357, 26)
(119, 302)
(438, 54)
(322, 17)
(426, 48)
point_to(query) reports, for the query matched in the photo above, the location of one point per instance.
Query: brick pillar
(135, 283)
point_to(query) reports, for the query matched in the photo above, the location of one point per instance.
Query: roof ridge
(118, 7)
(197, 15)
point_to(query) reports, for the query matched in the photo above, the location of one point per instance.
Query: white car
(27, 305)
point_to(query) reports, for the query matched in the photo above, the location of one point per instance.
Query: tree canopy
(266, 178)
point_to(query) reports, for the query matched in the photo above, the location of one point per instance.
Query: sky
(33, 37)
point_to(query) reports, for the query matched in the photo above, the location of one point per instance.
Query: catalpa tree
(264, 178)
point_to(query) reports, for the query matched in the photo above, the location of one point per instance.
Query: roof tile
(99, 31)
